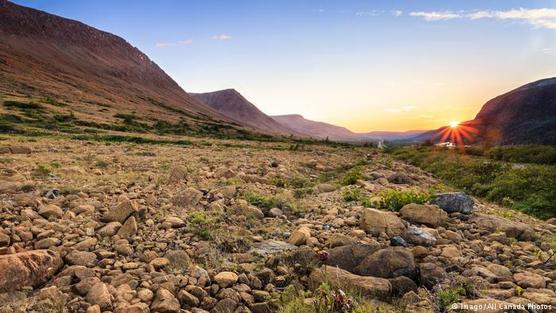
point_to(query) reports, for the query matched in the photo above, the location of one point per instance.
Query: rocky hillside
(97, 74)
(232, 104)
(525, 115)
(220, 226)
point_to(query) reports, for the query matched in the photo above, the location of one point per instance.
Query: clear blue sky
(367, 65)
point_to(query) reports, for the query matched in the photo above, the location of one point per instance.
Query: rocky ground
(252, 227)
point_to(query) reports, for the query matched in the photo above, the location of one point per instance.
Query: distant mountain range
(525, 115)
(99, 76)
(235, 106)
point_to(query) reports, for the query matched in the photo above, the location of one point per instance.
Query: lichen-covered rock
(388, 263)
(430, 215)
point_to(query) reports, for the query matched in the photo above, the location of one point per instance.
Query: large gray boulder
(452, 202)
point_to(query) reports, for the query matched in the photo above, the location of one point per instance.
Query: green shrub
(395, 199)
(23, 105)
(259, 200)
(352, 194)
(351, 176)
(199, 222)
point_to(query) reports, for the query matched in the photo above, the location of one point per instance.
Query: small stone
(128, 229)
(84, 258)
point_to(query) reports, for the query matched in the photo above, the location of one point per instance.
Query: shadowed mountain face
(526, 115)
(43, 55)
(232, 104)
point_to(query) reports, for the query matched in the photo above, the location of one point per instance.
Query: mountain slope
(314, 129)
(43, 55)
(232, 104)
(323, 130)
(525, 115)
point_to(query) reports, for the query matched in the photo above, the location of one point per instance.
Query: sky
(365, 65)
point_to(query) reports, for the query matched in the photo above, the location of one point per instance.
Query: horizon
(393, 66)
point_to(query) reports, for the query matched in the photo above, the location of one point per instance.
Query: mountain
(314, 129)
(43, 56)
(323, 130)
(525, 115)
(232, 104)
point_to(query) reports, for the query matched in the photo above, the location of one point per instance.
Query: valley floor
(244, 226)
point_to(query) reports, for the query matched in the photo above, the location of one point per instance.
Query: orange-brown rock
(30, 268)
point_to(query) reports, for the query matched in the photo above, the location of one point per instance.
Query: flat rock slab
(271, 247)
(30, 268)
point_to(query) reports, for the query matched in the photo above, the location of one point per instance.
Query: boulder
(399, 178)
(430, 215)
(452, 202)
(431, 274)
(364, 285)
(29, 268)
(348, 257)
(165, 302)
(419, 236)
(120, 212)
(529, 280)
(51, 210)
(323, 188)
(376, 222)
(100, 295)
(83, 258)
(492, 223)
(388, 263)
(128, 229)
(187, 198)
(300, 236)
(501, 272)
(177, 173)
(225, 279)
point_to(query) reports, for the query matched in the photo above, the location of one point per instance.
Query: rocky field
(231, 226)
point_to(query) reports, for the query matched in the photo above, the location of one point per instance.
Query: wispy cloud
(540, 18)
(396, 12)
(222, 37)
(174, 44)
(368, 13)
(436, 15)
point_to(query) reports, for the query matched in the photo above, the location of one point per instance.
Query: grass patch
(525, 187)
(351, 176)
(395, 199)
(199, 222)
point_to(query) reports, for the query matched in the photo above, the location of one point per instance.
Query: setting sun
(454, 124)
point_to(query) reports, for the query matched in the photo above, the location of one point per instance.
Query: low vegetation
(525, 187)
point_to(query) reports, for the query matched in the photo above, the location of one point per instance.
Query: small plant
(352, 194)
(41, 171)
(101, 164)
(279, 181)
(200, 224)
(259, 200)
(448, 296)
(351, 176)
(395, 199)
